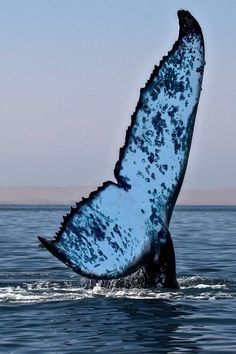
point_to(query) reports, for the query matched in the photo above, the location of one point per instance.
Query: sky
(71, 72)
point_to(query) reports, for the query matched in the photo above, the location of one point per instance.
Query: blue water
(45, 308)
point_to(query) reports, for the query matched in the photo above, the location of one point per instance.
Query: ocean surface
(46, 308)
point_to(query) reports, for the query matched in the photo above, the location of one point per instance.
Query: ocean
(45, 307)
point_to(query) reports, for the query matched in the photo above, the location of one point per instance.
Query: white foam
(205, 286)
(191, 288)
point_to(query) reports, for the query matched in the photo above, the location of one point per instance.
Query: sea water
(46, 308)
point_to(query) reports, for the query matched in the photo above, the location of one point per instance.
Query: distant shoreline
(40, 195)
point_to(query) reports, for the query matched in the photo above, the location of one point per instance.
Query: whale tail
(124, 226)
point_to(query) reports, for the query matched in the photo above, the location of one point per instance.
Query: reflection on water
(152, 325)
(125, 326)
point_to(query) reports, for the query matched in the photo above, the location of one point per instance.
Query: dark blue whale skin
(122, 228)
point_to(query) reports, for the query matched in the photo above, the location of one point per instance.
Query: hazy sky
(71, 72)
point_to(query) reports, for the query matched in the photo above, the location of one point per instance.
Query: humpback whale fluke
(123, 227)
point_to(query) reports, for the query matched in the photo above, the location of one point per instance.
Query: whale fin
(154, 158)
(119, 228)
(104, 236)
